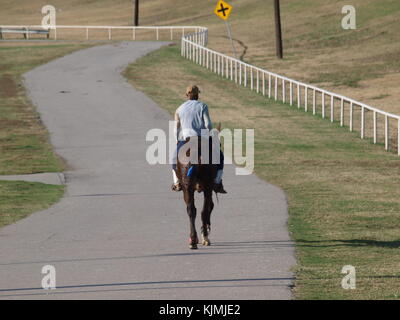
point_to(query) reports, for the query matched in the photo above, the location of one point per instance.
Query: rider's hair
(193, 96)
(192, 92)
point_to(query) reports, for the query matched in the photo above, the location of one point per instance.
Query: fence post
(240, 73)
(323, 105)
(251, 78)
(227, 67)
(341, 112)
(236, 72)
(291, 93)
(298, 96)
(398, 137)
(362, 122)
(258, 81)
(351, 116)
(276, 88)
(245, 75)
(332, 108)
(269, 85)
(283, 91)
(199, 55)
(306, 99)
(215, 62)
(109, 33)
(375, 128)
(386, 132)
(314, 102)
(231, 62)
(263, 83)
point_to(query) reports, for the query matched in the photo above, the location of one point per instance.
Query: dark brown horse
(199, 177)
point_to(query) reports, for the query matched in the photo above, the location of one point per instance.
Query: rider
(190, 118)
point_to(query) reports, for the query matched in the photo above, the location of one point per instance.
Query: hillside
(363, 63)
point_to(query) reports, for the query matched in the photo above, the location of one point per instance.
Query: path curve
(120, 232)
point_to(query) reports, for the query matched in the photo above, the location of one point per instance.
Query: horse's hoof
(206, 243)
(193, 243)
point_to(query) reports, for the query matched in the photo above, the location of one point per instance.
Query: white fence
(194, 40)
(288, 90)
(86, 31)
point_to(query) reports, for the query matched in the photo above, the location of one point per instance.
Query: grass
(19, 199)
(361, 63)
(342, 191)
(24, 142)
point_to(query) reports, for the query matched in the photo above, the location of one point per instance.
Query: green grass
(342, 191)
(18, 199)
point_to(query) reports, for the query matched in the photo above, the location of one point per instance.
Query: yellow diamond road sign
(223, 10)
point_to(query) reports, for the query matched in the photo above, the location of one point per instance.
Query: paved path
(120, 232)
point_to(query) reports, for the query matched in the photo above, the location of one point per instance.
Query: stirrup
(176, 187)
(219, 188)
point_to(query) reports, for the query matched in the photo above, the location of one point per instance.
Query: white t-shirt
(193, 117)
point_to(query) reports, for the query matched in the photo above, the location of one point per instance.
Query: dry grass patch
(316, 48)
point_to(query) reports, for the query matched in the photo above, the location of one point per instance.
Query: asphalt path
(120, 232)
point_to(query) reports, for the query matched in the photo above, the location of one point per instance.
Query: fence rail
(109, 29)
(288, 90)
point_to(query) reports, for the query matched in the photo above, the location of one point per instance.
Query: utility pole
(136, 12)
(278, 30)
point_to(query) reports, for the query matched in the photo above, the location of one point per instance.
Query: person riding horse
(191, 120)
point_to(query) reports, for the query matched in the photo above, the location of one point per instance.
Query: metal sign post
(228, 27)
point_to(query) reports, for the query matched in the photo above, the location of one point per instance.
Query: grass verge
(18, 199)
(342, 191)
(24, 142)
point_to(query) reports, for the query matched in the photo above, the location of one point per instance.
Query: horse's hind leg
(206, 217)
(191, 211)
